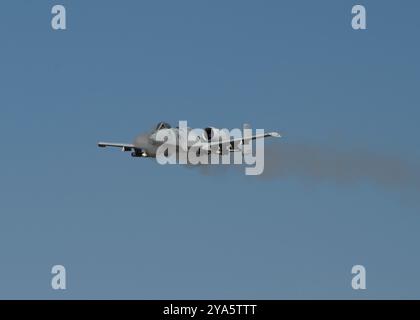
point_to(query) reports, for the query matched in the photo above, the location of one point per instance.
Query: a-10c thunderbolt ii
(208, 139)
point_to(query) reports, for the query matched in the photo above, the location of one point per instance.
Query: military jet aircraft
(146, 145)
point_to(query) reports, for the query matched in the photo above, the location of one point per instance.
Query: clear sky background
(130, 228)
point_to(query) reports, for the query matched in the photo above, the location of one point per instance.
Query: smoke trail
(320, 163)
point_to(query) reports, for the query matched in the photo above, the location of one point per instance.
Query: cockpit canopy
(163, 125)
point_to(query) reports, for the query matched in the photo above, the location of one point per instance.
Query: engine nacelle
(211, 134)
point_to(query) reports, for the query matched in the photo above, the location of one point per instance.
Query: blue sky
(130, 228)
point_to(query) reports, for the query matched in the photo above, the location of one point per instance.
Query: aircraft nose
(141, 141)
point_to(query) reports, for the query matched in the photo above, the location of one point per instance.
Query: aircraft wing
(123, 146)
(243, 140)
